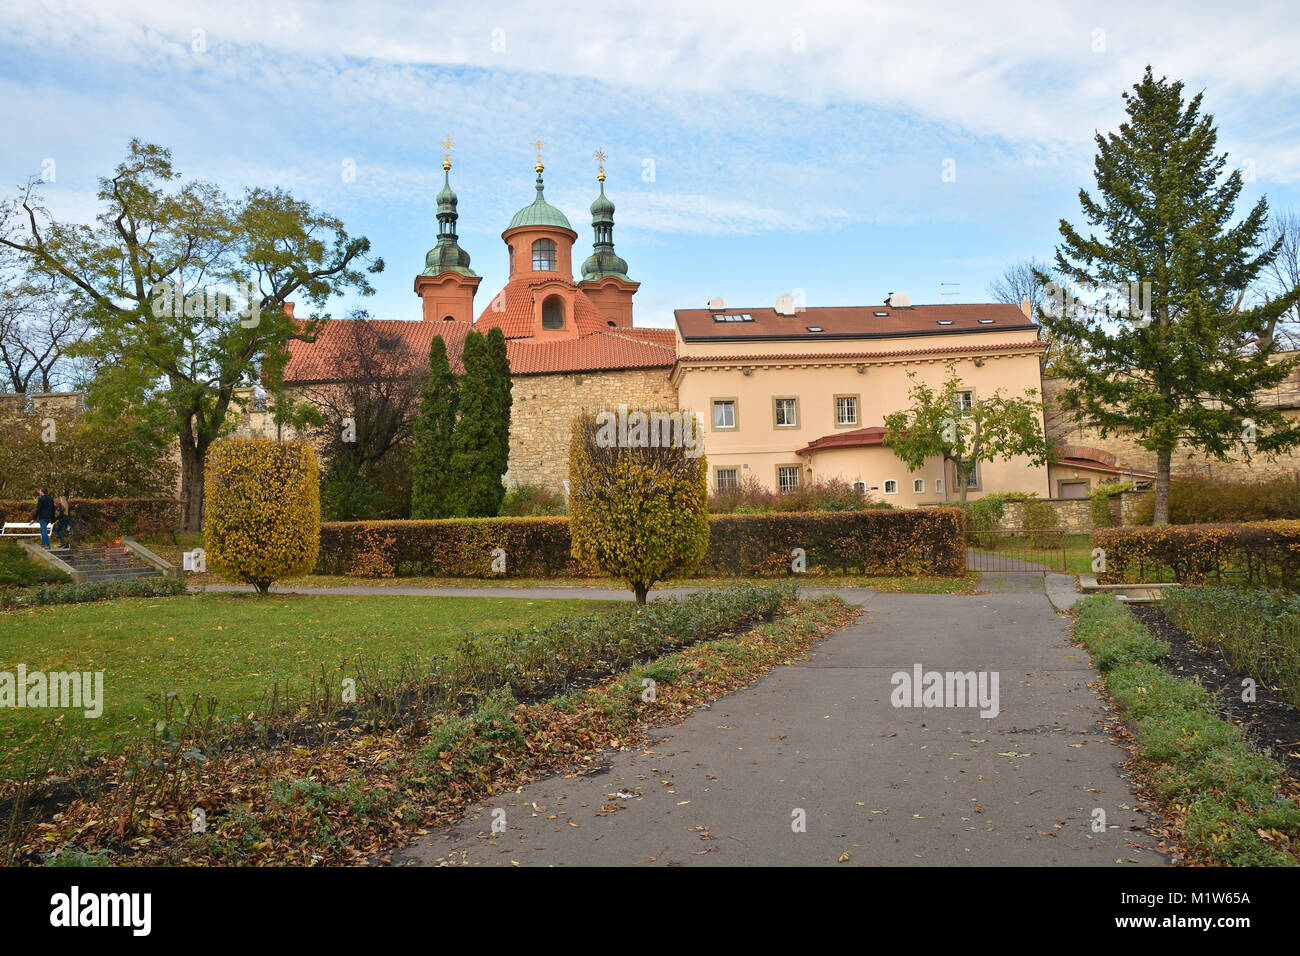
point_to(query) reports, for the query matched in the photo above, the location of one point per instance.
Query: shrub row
(1255, 632)
(110, 517)
(534, 662)
(92, 591)
(1205, 501)
(1260, 553)
(1236, 812)
(911, 541)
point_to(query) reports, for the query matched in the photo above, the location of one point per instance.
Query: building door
(1074, 489)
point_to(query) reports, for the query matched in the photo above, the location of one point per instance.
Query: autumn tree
(185, 291)
(940, 423)
(1187, 365)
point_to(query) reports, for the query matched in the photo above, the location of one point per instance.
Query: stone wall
(1063, 429)
(1074, 515)
(544, 407)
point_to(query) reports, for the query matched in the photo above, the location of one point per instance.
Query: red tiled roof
(786, 356)
(856, 322)
(857, 438)
(604, 349)
(511, 309)
(1101, 466)
(319, 361)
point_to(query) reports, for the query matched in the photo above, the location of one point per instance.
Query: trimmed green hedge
(92, 591)
(1259, 553)
(911, 541)
(1237, 812)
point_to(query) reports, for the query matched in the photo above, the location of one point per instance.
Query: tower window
(552, 308)
(544, 255)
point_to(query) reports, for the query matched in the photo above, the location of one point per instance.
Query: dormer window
(552, 308)
(544, 255)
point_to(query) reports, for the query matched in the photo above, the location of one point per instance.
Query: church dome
(540, 213)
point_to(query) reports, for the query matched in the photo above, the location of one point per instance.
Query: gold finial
(537, 145)
(448, 144)
(600, 163)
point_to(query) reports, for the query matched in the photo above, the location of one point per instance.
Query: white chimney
(785, 304)
(716, 304)
(899, 300)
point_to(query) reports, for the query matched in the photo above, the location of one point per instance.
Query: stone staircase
(107, 563)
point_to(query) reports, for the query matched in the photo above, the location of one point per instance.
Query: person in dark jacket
(63, 522)
(44, 513)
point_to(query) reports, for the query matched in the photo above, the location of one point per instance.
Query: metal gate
(1016, 551)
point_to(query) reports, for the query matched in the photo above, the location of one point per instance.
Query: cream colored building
(790, 396)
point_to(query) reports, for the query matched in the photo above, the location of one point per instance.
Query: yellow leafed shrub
(637, 512)
(262, 510)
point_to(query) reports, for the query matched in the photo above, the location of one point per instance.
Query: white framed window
(918, 486)
(938, 486)
(891, 486)
(964, 403)
(787, 477)
(860, 487)
(786, 412)
(728, 479)
(973, 476)
(724, 413)
(846, 410)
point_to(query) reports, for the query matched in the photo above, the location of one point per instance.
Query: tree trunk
(1163, 459)
(641, 591)
(191, 488)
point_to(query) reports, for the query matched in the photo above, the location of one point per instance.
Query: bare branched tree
(1282, 276)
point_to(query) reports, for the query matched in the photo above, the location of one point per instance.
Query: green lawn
(234, 647)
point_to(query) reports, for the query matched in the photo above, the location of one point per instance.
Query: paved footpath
(877, 785)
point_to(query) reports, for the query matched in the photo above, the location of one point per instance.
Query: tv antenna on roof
(943, 293)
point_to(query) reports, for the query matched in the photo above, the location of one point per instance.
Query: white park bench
(21, 529)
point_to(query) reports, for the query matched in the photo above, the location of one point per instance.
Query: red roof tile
(511, 309)
(786, 356)
(857, 438)
(604, 349)
(854, 322)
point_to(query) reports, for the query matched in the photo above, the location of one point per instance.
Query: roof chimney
(785, 304)
(1026, 308)
(716, 304)
(288, 309)
(898, 300)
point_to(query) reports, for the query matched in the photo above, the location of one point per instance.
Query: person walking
(44, 513)
(63, 522)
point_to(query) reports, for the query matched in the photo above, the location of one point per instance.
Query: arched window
(544, 255)
(448, 318)
(552, 309)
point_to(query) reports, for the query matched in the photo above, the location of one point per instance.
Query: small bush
(532, 501)
(1100, 496)
(261, 510)
(638, 513)
(92, 591)
(751, 496)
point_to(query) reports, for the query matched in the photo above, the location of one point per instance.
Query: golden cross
(600, 164)
(538, 146)
(448, 144)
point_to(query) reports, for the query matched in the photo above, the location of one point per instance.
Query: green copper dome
(602, 261)
(447, 255)
(539, 213)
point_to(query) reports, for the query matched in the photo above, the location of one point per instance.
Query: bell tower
(604, 274)
(447, 285)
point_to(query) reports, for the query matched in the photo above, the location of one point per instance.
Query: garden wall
(913, 541)
(1074, 515)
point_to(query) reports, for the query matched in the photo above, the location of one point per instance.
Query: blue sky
(791, 148)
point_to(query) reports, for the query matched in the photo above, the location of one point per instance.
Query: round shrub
(262, 510)
(638, 511)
